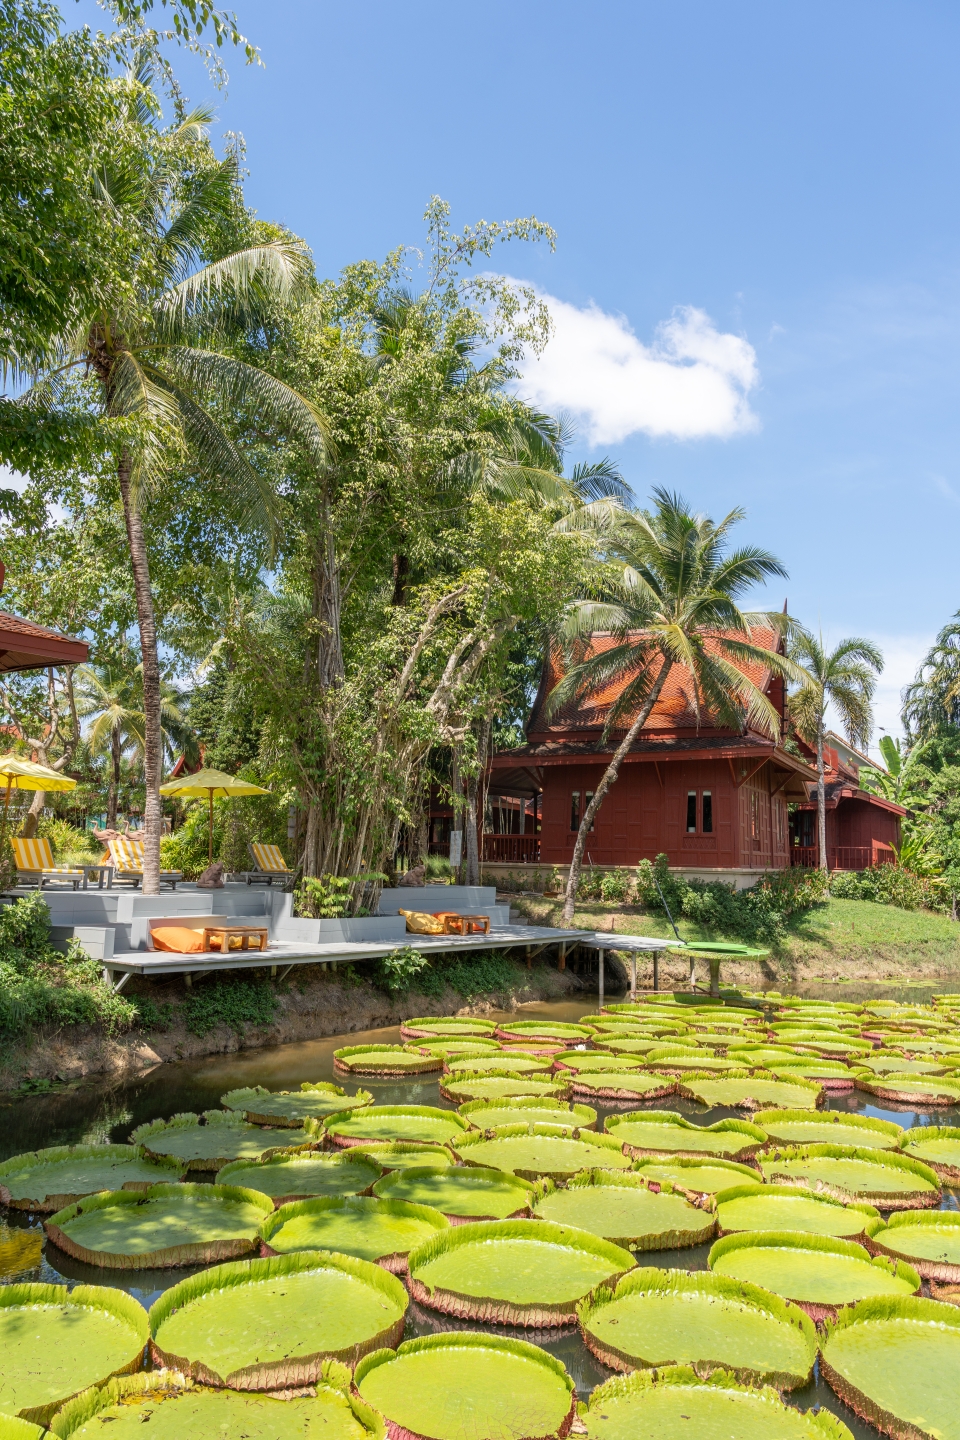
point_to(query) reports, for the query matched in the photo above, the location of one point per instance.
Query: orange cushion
(179, 939)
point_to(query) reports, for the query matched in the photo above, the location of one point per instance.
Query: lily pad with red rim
(382, 1231)
(47, 1180)
(537, 1152)
(665, 1132)
(420, 1124)
(627, 1210)
(885, 1178)
(303, 1176)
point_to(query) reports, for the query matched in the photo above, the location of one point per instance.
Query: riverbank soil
(309, 1004)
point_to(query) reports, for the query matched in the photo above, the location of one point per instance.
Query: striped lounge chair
(127, 856)
(268, 864)
(35, 864)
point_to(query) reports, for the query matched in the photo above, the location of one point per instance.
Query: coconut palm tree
(156, 348)
(845, 677)
(932, 702)
(671, 598)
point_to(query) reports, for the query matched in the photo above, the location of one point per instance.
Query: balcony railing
(511, 849)
(842, 857)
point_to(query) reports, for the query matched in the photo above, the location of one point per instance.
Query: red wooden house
(714, 799)
(862, 828)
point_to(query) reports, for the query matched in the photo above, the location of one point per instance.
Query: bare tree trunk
(609, 776)
(821, 801)
(471, 854)
(113, 794)
(152, 734)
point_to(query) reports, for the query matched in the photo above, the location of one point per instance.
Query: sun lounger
(269, 864)
(35, 864)
(127, 856)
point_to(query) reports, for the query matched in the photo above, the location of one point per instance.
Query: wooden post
(600, 975)
(188, 980)
(693, 973)
(633, 976)
(715, 975)
(656, 969)
(529, 961)
(563, 958)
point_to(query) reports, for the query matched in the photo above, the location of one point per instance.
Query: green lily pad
(624, 1209)
(166, 1226)
(464, 1386)
(756, 1206)
(627, 1045)
(450, 1049)
(401, 1154)
(697, 1177)
(816, 1271)
(912, 1089)
(890, 1062)
(384, 1060)
(513, 1272)
(896, 1363)
(668, 1317)
(55, 1343)
(178, 1410)
(579, 1060)
(831, 1127)
(744, 1091)
(929, 1240)
(677, 1063)
(381, 1230)
(543, 1030)
(501, 1063)
(526, 1110)
(664, 1132)
(541, 1151)
(884, 1178)
(614, 1085)
(937, 1146)
(291, 1107)
(269, 1324)
(674, 1403)
(418, 1123)
(13, 1428)
(447, 1025)
(831, 1074)
(210, 1141)
(461, 1192)
(760, 1054)
(283, 1178)
(464, 1086)
(47, 1180)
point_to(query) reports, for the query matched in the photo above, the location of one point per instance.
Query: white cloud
(691, 383)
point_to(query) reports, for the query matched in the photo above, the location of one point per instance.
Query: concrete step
(517, 917)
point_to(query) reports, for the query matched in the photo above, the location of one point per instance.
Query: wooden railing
(511, 849)
(842, 857)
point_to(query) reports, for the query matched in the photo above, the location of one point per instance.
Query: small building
(719, 802)
(862, 828)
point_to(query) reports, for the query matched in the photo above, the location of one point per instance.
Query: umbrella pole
(210, 846)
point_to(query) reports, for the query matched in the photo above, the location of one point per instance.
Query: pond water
(101, 1112)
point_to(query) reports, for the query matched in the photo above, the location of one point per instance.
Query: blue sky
(757, 276)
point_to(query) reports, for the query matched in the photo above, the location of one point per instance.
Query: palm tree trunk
(609, 776)
(152, 734)
(821, 801)
(113, 794)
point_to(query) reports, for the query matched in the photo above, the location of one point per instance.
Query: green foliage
(330, 897)
(486, 972)
(68, 842)
(757, 914)
(151, 1016)
(401, 971)
(891, 885)
(235, 1003)
(236, 823)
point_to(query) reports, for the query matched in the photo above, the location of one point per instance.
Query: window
(588, 796)
(691, 812)
(706, 812)
(755, 817)
(575, 811)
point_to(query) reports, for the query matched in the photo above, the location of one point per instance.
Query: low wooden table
(244, 933)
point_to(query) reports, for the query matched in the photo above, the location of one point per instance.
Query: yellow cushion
(419, 923)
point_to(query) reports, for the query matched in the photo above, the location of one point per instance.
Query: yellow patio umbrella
(211, 783)
(20, 774)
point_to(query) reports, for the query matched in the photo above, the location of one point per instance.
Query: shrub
(481, 973)
(397, 972)
(68, 842)
(235, 1003)
(891, 885)
(757, 914)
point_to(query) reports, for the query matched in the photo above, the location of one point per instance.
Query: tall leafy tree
(670, 597)
(845, 677)
(932, 702)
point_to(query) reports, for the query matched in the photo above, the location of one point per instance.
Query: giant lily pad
(384, 1060)
(929, 1240)
(381, 1230)
(47, 1180)
(523, 1110)
(896, 1363)
(745, 1091)
(543, 1030)
(674, 1403)
(513, 1272)
(664, 1132)
(818, 1272)
(578, 1060)
(299, 1177)
(503, 1063)
(269, 1324)
(166, 1226)
(178, 1410)
(666, 1317)
(13, 1428)
(753, 1054)
(697, 1178)
(464, 1086)
(461, 1192)
(461, 1026)
(756, 1206)
(401, 1154)
(418, 1123)
(888, 1062)
(54, 1343)
(464, 1386)
(884, 1178)
(831, 1074)
(937, 1146)
(832, 1127)
(541, 1151)
(613, 1085)
(292, 1107)
(212, 1140)
(625, 1209)
(451, 1049)
(627, 1044)
(676, 1062)
(912, 1089)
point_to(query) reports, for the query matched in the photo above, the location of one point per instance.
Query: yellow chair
(35, 863)
(269, 864)
(127, 856)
